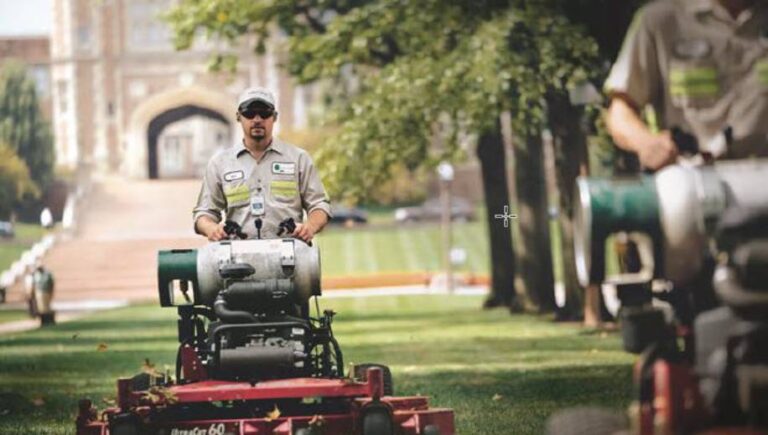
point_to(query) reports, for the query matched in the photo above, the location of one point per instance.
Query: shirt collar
(276, 146)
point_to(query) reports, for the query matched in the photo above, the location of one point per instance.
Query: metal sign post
(445, 172)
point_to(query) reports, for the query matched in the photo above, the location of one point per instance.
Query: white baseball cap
(257, 93)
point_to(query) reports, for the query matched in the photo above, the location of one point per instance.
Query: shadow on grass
(518, 402)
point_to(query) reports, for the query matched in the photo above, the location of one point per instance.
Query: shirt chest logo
(283, 168)
(233, 176)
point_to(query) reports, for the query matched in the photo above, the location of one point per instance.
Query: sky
(25, 17)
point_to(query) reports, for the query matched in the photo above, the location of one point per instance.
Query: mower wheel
(361, 372)
(587, 421)
(377, 421)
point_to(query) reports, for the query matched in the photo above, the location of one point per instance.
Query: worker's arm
(315, 223)
(655, 150)
(210, 202)
(211, 229)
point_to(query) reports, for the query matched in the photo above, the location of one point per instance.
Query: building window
(63, 91)
(41, 74)
(146, 30)
(84, 37)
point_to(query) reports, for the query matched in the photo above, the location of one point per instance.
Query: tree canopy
(15, 182)
(22, 126)
(407, 72)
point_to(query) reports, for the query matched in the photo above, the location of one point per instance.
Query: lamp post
(445, 172)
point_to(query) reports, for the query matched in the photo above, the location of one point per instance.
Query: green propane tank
(678, 208)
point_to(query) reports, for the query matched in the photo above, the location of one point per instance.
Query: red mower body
(152, 411)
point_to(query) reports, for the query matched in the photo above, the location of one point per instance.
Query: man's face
(257, 120)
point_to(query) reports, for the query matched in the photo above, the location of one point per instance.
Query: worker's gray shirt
(701, 69)
(284, 176)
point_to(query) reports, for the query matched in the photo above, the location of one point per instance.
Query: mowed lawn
(399, 248)
(501, 374)
(11, 249)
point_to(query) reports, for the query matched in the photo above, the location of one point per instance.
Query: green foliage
(15, 181)
(22, 126)
(409, 75)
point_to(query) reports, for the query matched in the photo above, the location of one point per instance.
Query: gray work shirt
(701, 69)
(285, 178)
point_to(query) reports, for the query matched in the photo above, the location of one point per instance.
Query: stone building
(125, 101)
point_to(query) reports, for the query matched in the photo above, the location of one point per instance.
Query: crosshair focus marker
(506, 216)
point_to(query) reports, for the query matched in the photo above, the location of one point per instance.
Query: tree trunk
(490, 151)
(571, 159)
(534, 256)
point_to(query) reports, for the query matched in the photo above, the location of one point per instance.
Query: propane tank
(678, 207)
(288, 266)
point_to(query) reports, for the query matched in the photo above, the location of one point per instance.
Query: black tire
(361, 372)
(587, 421)
(377, 421)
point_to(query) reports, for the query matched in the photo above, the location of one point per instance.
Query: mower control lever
(286, 226)
(232, 228)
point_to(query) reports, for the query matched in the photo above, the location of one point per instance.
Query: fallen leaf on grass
(102, 347)
(158, 395)
(497, 397)
(273, 415)
(38, 401)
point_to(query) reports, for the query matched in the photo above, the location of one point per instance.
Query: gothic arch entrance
(159, 123)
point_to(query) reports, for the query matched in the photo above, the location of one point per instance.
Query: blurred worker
(702, 65)
(261, 181)
(41, 295)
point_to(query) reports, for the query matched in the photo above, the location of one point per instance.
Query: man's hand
(658, 151)
(305, 231)
(211, 229)
(655, 150)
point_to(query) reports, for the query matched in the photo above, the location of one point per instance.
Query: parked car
(344, 215)
(432, 209)
(6, 230)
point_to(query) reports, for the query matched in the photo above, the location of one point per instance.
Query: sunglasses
(262, 112)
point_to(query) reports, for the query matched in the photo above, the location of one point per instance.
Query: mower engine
(255, 294)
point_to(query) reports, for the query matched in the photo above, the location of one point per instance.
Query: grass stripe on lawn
(406, 247)
(502, 374)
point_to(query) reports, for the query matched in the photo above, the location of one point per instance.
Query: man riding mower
(251, 358)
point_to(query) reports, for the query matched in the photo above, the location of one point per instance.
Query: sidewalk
(68, 311)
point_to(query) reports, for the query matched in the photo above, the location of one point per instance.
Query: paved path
(122, 225)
